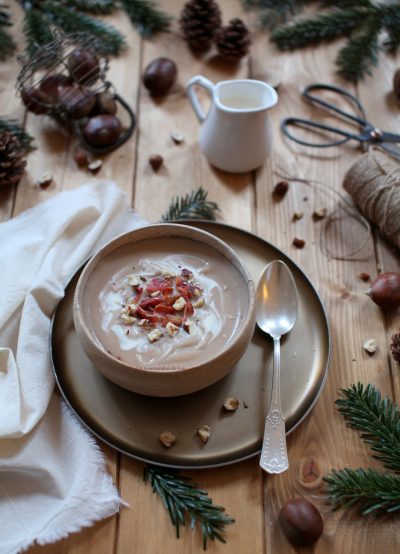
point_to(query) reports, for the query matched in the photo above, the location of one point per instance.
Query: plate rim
(121, 450)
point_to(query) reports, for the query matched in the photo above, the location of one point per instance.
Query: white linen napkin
(53, 479)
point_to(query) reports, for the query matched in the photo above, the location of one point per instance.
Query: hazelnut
(177, 137)
(319, 214)
(172, 329)
(363, 276)
(44, 181)
(370, 346)
(156, 161)
(231, 404)
(95, 166)
(297, 216)
(299, 243)
(81, 157)
(167, 438)
(301, 522)
(199, 303)
(179, 304)
(281, 189)
(154, 335)
(204, 433)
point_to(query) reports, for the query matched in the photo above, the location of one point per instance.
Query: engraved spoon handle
(273, 454)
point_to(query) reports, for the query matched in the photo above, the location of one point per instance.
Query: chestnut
(83, 66)
(159, 76)
(396, 83)
(301, 522)
(385, 290)
(105, 103)
(76, 101)
(36, 100)
(49, 85)
(102, 130)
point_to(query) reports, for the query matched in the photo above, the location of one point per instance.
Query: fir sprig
(14, 127)
(186, 503)
(7, 43)
(378, 418)
(71, 21)
(96, 7)
(362, 23)
(371, 490)
(193, 205)
(274, 13)
(146, 17)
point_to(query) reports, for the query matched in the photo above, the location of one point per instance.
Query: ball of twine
(374, 184)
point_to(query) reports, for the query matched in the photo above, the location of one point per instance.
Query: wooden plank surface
(322, 441)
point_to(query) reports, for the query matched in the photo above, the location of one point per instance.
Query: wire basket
(66, 79)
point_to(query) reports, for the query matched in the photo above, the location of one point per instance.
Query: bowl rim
(97, 256)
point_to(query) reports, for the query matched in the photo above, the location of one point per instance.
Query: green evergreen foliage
(191, 206)
(378, 419)
(7, 43)
(367, 26)
(186, 503)
(146, 17)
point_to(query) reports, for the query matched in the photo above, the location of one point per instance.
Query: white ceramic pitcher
(235, 134)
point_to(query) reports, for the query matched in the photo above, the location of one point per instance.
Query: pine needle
(371, 490)
(95, 7)
(377, 418)
(12, 125)
(7, 43)
(186, 503)
(146, 17)
(191, 206)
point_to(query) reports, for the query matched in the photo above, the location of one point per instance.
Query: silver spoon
(276, 312)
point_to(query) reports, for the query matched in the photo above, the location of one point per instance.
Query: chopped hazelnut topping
(199, 303)
(370, 346)
(179, 304)
(177, 137)
(154, 335)
(143, 322)
(231, 404)
(167, 438)
(95, 166)
(128, 319)
(133, 280)
(172, 329)
(166, 273)
(204, 433)
(197, 292)
(363, 276)
(188, 326)
(155, 294)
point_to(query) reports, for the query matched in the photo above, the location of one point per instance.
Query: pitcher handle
(201, 82)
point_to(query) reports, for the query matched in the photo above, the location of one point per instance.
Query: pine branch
(274, 12)
(70, 21)
(7, 43)
(371, 490)
(191, 206)
(377, 418)
(37, 30)
(391, 22)
(185, 502)
(320, 28)
(361, 51)
(95, 7)
(12, 125)
(146, 17)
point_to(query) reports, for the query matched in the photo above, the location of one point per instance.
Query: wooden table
(322, 442)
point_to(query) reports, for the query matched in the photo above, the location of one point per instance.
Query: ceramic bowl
(172, 365)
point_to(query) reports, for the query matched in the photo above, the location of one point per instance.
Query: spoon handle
(273, 454)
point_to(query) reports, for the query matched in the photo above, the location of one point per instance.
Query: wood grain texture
(322, 441)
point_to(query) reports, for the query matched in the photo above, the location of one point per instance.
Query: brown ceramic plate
(131, 423)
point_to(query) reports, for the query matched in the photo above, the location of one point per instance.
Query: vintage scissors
(368, 134)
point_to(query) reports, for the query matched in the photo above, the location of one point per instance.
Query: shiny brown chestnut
(301, 522)
(102, 130)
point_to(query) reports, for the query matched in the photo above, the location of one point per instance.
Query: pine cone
(12, 166)
(395, 347)
(233, 41)
(200, 21)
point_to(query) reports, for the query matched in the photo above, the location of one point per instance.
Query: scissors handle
(361, 120)
(312, 125)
